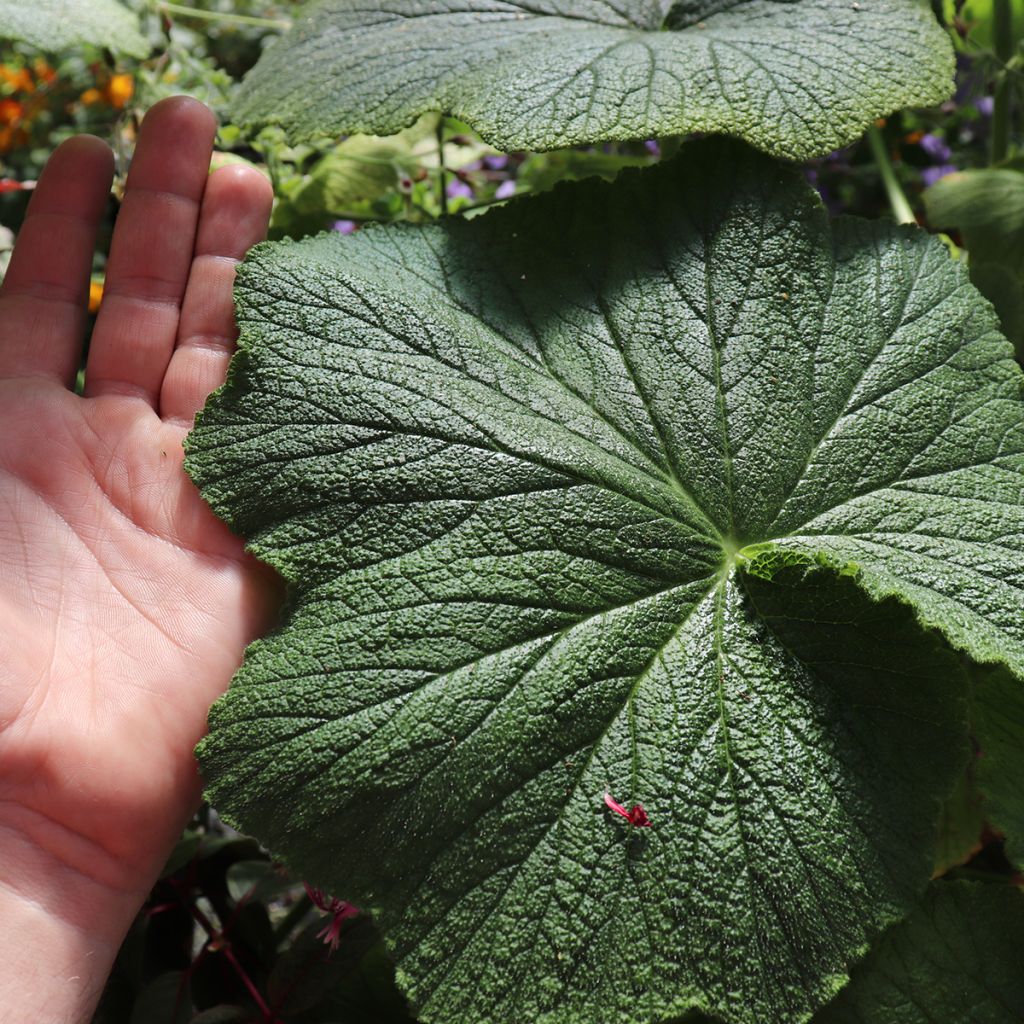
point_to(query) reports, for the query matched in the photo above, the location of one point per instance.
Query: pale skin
(125, 605)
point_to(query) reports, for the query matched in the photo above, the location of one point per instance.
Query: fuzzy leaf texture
(639, 488)
(66, 24)
(796, 78)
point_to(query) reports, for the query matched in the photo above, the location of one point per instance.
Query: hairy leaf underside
(794, 77)
(645, 488)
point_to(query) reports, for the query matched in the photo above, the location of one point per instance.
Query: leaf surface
(961, 825)
(65, 24)
(638, 488)
(794, 77)
(998, 719)
(957, 959)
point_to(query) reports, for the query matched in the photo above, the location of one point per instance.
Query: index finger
(44, 293)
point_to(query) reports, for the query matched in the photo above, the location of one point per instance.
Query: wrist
(60, 930)
(54, 973)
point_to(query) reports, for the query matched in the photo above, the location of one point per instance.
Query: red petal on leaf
(637, 816)
(617, 808)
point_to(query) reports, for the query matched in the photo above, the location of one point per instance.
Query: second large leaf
(794, 77)
(636, 488)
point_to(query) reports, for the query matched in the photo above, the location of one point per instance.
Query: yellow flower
(95, 295)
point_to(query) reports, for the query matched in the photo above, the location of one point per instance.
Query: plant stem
(218, 938)
(1002, 32)
(442, 175)
(897, 199)
(234, 19)
(268, 1015)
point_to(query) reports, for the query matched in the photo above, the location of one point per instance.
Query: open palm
(125, 605)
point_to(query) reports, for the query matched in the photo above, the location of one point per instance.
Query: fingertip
(174, 147)
(185, 111)
(86, 147)
(244, 181)
(82, 161)
(236, 211)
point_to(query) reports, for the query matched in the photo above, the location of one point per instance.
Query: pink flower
(339, 909)
(637, 816)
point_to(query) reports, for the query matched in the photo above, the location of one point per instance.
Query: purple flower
(930, 175)
(506, 190)
(458, 190)
(652, 147)
(935, 147)
(496, 163)
(985, 105)
(345, 227)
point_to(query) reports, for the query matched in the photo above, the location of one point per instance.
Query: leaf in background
(798, 79)
(354, 984)
(165, 1000)
(222, 1015)
(998, 715)
(66, 24)
(987, 208)
(361, 168)
(542, 171)
(256, 880)
(958, 959)
(552, 488)
(960, 825)
(1005, 290)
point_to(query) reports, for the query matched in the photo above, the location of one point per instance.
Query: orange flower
(12, 134)
(11, 112)
(18, 79)
(95, 295)
(119, 90)
(43, 72)
(116, 91)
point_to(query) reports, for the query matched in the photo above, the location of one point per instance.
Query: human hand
(125, 605)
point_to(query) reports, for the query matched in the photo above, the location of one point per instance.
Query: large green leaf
(794, 77)
(65, 24)
(958, 959)
(554, 490)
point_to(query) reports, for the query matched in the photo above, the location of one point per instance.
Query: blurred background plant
(226, 936)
